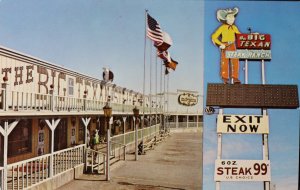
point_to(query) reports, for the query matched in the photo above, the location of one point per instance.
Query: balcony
(27, 103)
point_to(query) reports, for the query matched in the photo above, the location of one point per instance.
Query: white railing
(17, 101)
(184, 124)
(21, 175)
(66, 159)
(94, 159)
(28, 101)
(118, 149)
(31, 172)
(129, 136)
(1, 178)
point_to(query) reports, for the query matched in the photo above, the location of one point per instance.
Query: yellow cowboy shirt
(227, 32)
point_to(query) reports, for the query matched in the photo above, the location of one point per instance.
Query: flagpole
(161, 108)
(150, 97)
(168, 102)
(150, 78)
(144, 80)
(155, 94)
(164, 101)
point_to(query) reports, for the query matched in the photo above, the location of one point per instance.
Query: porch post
(5, 136)
(110, 121)
(187, 121)
(86, 122)
(136, 138)
(5, 132)
(52, 127)
(124, 130)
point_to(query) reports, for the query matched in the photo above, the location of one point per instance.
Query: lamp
(136, 113)
(107, 114)
(107, 110)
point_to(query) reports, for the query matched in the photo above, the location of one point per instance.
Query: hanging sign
(253, 41)
(41, 142)
(249, 54)
(242, 170)
(188, 99)
(246, 124)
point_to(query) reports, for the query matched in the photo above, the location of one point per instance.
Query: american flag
(154, 31)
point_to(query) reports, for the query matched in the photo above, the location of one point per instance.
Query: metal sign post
(265, 137)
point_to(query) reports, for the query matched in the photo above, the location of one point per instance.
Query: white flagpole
(144, 80)
(164, 102)
(168, 102)
(161, 74)
(155, 94)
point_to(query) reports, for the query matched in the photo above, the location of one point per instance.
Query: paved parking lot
(176, 164)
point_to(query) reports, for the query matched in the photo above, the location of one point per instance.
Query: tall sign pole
(234, 47)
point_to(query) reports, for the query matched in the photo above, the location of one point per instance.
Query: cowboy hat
(222, 13)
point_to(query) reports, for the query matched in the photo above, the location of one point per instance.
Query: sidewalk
(174, 164)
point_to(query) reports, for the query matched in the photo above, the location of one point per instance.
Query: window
(71, 87)
(19, 140)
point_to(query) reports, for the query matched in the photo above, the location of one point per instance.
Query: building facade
(50, 114)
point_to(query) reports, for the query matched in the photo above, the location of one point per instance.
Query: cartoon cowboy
(227, 33)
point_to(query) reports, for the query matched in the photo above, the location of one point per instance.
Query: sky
(86, 36)
(281, 20)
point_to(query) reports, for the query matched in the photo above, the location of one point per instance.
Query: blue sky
(87, 35)
(281, 20)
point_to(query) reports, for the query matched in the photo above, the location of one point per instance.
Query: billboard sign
(252, 96)
(242, 170)
(253, 41)
(244, 124)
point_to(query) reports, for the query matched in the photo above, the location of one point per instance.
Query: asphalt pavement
(175, 163)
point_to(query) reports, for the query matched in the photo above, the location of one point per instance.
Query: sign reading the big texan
(188, 99)
(245, 124)
(253, 41)
(252, 46)
(242, 170)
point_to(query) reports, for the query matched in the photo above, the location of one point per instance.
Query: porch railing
(19, 100)
(118, 149)
(94, 159)
(31, 172)
(184, 124)
(1, 178)
(66, 159)
(129, 136)
(24, 174)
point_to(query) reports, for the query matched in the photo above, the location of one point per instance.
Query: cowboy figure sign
(227, 32)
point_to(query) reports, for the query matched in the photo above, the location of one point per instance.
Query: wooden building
(46, 109)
